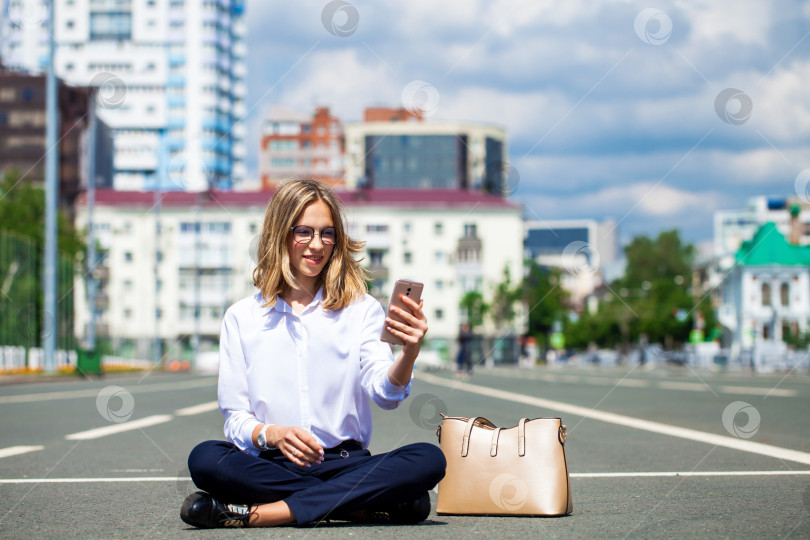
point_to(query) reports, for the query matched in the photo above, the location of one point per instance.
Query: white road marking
(17, 450)
(757, 391)
(632, 382)
(88, 480)
(573, 475)
(198, 409)
(627, 421)
(666, 385)
(135, 388)
(119, 428)
(686, 473)
(677, 385)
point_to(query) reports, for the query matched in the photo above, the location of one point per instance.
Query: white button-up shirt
(316, 370)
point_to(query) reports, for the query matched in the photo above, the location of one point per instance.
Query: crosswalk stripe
(17, 450)
(198, 409)
(119, 428)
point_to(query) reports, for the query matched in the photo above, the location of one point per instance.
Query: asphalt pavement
(653, 453)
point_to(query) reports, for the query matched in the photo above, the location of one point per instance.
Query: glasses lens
(328, 235)
(303, 234)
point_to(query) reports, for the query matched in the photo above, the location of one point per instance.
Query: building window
(439, 314)
(158, 313)
(406, 227)
(375, 257)
(127, 313)
(784, 294)
(439, 257)
(438, 228)
(766, 294)
(111, 25)
(470, 230)
(766, 332)
(407, 257)
(439, 285)
(159, 256)
(127, 256)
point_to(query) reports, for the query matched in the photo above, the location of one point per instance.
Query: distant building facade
(407, 152)
(179, 282)
(171, 79)
(294, 145)
(765, 293)
(733, 227)
(22, 135)
(586, 249)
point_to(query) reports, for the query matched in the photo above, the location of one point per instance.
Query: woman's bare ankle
(271, 515)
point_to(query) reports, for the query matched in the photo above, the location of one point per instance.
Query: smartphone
(403, 287)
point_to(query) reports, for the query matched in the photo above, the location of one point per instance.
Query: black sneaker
(404, 513)
(202, 510)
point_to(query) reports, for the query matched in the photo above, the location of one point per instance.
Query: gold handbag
(518, 471)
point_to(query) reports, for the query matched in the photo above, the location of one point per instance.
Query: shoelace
(235, 515)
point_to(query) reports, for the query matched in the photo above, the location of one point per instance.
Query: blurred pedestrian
(464, 366)
(299, 362)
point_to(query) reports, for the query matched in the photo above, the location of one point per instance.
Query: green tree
(545, 299)
(652, 298)
(474, 307)
(22, 213)
(504, 298)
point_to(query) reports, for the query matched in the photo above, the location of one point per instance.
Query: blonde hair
(343, 278)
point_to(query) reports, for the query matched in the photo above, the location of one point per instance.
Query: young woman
(299, 362)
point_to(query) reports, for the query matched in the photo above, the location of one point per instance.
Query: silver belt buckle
(344, 453)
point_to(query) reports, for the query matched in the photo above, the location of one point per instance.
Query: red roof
(397, 198)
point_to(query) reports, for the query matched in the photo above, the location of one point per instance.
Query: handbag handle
(493, 447)
(465, 441)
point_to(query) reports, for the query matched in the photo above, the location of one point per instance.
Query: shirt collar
(283, 307)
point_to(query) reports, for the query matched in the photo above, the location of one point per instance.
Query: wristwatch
(261, 438)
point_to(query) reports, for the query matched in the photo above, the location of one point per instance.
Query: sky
(652, 114)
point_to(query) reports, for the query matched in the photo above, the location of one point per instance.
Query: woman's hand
(411, 331)
(297, 444)
(413, 328)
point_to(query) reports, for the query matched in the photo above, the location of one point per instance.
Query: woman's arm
(232, 388)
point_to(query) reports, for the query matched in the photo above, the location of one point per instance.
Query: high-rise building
(22, 135)
(396, 149)
(170, 75)
(295, 145)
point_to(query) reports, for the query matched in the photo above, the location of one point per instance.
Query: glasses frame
(315, 231)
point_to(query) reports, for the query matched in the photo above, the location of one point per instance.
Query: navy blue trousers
(344, 482)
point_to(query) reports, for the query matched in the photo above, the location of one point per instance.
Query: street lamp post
(49, 314)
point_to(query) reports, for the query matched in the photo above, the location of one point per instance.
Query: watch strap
(263, 438)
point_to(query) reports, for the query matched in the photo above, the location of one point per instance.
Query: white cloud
(605, 115)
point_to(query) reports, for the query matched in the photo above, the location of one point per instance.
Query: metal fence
(23, 321)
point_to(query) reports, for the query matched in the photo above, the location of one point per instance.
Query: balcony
(377, 272)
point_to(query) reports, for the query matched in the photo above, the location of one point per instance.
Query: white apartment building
(428, 154)
(171, 77)
(171, 271)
